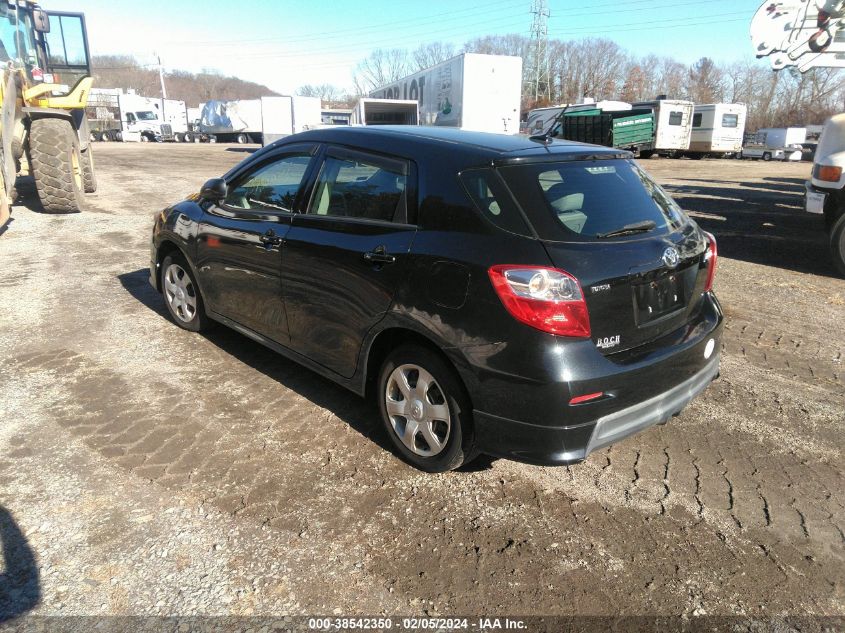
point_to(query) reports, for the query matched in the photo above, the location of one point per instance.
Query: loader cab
(17, 38)
(61, 42)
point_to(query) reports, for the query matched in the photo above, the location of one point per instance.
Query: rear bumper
(527, 413)
(545, 445)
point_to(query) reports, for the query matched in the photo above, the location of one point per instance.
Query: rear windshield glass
(730, 120)
(584, 200)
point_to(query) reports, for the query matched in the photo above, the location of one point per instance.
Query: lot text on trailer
(474, 92)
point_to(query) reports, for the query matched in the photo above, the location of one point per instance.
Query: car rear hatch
(640, 261)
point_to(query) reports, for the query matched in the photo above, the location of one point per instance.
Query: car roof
(469, 147)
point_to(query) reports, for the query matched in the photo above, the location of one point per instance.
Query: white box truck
(471, 91)
(248, 120)
(717, 129)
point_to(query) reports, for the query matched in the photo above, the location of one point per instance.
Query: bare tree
(380, 68)
(705, 82)
(431, 54)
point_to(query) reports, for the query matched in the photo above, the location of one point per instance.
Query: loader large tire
(56, 165)
(89, 177)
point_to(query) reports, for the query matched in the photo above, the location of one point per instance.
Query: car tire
(431, 430)
(837, 245)
(767, 156)
(182, 295)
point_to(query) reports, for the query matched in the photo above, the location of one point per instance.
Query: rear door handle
(379, 256)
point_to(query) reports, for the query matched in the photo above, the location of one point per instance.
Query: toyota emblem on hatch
(671, 257)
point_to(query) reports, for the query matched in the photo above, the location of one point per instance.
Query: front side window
(730, 120)
(357, 187)
(676, 118)
(584, 200)
(273, 186)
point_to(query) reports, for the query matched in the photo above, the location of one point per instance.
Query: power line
(363, 29)
(538, 71)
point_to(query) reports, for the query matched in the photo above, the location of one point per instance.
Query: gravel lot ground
(148, 471)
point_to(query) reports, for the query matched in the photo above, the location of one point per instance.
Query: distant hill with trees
(124, 71)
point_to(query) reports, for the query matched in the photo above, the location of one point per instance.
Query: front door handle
(379, 255)
(270, 239)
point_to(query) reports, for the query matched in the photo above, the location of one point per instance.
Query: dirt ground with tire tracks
(148, 471)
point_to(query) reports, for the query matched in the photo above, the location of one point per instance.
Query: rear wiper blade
(637, 227)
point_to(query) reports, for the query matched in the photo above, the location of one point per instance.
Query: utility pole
(161, 78)
(537, 78)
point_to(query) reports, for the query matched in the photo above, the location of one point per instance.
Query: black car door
(344, 258)
(239, 242)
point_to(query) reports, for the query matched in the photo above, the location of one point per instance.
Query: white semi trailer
(385, 112)
(718, 129)
(471, 91)
(258, 120)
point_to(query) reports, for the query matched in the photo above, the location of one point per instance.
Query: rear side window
(696, 120)
(493, 201)
(581, 200)
(730, 120)
(357, 187)
(676, 118)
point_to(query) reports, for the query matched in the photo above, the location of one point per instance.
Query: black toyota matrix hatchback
(524, 298)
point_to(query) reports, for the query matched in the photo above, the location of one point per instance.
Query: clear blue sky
(286, 44)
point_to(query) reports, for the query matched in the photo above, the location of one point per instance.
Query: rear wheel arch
(390, 339)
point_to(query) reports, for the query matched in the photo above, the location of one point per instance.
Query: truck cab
(825, 191)
(144, 122)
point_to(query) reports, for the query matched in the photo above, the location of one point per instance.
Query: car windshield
(588, 200)
(147, 116)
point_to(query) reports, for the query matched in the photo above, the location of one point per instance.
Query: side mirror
(40, 21)
(214, 190)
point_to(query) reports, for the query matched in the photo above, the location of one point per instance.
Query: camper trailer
(717, 130)
(672, 126)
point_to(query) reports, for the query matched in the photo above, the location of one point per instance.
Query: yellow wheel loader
(44, 88)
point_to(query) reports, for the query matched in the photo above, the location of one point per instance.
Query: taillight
(544, 298)
(828, 173)
(711, 258)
